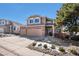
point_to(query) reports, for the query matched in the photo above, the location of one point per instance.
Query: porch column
(53, 28)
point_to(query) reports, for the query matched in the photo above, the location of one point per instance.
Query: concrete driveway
(17, 46)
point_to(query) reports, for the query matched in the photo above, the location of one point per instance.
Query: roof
(11, 21)
(33, 16)
(5, 20)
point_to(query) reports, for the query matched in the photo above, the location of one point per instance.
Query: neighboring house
(11, 27)
(23, 30)
(4, 26)
(39, 26)
(36, 26)
(15, 28)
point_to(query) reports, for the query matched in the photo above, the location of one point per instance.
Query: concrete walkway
(17, 46)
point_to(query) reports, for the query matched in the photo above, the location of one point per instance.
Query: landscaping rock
(54, 53)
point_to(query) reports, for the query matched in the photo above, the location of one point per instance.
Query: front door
(48, 30)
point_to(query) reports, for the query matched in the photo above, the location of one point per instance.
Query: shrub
(45, 46)
(34, 43)
(61, 49)
(74, 52)
(39, 44)
(53, 47)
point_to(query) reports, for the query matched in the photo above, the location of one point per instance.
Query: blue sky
(21, 11)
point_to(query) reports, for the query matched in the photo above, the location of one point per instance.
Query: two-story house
(39, 25)
(4, 26)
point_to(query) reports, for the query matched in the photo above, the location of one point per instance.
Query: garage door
(1, 30)
(34, 32)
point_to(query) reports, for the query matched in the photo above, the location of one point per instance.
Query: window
(14, 28)
(11, 27)
(31, 21)
(36, 20)
(0, 22)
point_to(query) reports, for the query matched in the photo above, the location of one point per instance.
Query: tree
(71, 21)
(64, 12)
(68, 16)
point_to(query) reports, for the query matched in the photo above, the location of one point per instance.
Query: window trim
(33, 19)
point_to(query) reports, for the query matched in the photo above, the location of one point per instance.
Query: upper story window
(36, 20)
(2, 22)
(31, 21)
(14, 28)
